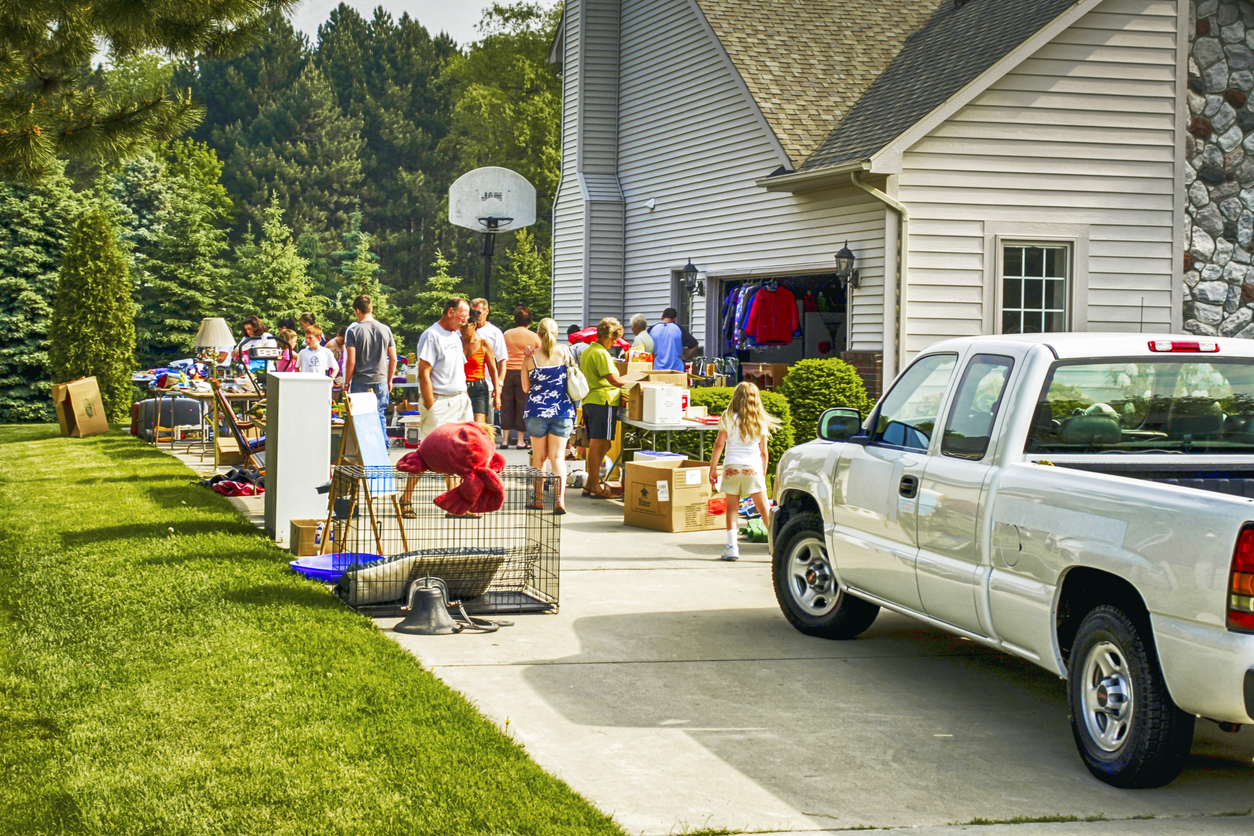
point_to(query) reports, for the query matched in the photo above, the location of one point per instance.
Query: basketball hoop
(491, 200)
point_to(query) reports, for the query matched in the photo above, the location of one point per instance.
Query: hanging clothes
(773, 319)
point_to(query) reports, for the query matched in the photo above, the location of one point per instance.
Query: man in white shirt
(442, 369)
(479, 308)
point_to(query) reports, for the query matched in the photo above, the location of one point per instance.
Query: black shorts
(480, 399)
(600, 420)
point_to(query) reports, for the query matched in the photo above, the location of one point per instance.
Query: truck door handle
(909, 486)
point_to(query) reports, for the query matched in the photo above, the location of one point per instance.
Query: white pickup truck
(1083, 501)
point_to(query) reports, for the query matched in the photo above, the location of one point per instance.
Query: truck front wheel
(806, 586)
(1129, 731)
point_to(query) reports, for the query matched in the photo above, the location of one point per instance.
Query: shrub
(813, 386)
(716, 400)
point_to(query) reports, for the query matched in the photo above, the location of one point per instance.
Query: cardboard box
(632, 406)
(631, 367)
(303, 539)
(672, 496)
(661, 403)
(693, 412)
(80, 411)
(227, 451)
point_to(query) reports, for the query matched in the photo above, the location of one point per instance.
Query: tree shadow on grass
(149, 531)
(32, 432)
(287, 594)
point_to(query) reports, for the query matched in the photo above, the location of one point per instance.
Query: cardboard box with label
(633, 405)
(303, 537)
(672, 496)
(661, 403)
(80, 411)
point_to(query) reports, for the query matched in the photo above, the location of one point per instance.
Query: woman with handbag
(550, 412)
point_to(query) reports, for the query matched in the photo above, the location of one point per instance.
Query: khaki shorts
(739, 480)
(447, 409)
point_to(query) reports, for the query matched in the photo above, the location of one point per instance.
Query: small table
(649, 435)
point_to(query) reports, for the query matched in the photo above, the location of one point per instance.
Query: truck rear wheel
(1129, 731)
(806, 587)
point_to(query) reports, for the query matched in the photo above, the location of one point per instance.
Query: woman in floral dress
(550, 413)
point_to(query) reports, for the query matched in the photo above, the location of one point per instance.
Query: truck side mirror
(839, 423)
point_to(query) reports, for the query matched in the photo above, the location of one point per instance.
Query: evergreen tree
(323, 276)
(527, 282)
(428, 304)
(50, 108)
(35, 221)
(184, 276)
(280, 286)
(92, 328)
(303, 151)
(362, 276)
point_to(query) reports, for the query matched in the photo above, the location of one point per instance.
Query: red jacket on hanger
(773, 318)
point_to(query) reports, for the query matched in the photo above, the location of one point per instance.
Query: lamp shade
(214, 333)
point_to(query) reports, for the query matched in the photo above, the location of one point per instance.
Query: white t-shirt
(317, 361)
(739, 451)
(443, 350)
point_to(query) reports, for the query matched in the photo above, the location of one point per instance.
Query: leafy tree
(301, 151)
(428, 304)
(183, 275)
(35, 220)
(280, 286)
(527, 282)
(92, 326)
(49, 105)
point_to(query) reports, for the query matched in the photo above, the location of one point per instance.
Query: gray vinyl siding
(690, 140)
(598, 153)
(1081, 134)
(568, 208)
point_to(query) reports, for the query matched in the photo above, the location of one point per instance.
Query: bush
(813, 386)
(716, 400)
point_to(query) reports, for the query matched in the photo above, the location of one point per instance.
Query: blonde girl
(742, 433)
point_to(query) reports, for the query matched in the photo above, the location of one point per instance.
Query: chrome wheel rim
(1108, 699)
(810, 578)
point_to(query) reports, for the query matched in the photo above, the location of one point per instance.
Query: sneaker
(730, 553)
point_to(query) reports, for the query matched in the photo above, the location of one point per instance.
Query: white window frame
(997, 236)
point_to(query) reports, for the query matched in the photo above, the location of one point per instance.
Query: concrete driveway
(671, 693)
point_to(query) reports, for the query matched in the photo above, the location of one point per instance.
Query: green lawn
(192, 683)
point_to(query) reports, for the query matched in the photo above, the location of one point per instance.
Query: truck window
(1185, 405)
(908, 412)
(970, 423)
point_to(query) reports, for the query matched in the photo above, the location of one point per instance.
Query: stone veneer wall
(1219, 170)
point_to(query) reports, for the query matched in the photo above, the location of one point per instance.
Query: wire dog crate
(387, 533)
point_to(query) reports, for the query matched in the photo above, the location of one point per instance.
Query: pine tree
(280, 285)
(35, 221)
(428, 304)
(362, 276)
(301, 149)
(527, 282)
(49, 105)
(92, 328)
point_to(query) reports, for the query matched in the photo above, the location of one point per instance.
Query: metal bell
(428, 614)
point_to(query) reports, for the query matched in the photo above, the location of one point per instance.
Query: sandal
(407, 510)
(559, 511)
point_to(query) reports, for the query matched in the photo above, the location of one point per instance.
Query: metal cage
(504, 561)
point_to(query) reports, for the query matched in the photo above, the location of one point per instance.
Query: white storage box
(658, 456)
(661, 403)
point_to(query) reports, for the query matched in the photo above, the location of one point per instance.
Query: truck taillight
(1241, 584)
(1203, 346)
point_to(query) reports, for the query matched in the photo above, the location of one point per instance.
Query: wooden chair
(254, 454)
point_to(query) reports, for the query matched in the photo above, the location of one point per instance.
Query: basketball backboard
(492, 199)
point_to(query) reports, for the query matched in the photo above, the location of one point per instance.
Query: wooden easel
(350, 453)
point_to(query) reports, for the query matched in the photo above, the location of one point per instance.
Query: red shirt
(773, 318)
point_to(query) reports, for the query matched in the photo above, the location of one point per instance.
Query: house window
(1034, 288)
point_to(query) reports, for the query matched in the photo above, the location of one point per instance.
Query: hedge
(813, 386)
(716, 400)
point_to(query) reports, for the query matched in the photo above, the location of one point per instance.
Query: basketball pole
(489, 249)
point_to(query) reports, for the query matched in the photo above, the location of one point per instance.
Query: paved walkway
(671, 693)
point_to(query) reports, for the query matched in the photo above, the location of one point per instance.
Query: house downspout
(898, 288)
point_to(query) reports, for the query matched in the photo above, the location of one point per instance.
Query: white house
(994, 165)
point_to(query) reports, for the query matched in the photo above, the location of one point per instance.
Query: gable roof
(808, 62)
(953, 48)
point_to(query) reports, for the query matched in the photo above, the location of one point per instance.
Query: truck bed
(1233, 481)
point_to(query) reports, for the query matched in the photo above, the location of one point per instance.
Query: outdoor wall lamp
(689, 281)
(844, 267)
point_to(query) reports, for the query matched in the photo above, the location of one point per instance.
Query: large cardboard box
(672, 496)
(80, 411)
(633, 406)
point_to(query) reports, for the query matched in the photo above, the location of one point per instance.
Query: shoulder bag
(576, 383)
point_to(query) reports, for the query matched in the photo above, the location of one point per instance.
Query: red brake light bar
(1203, 346)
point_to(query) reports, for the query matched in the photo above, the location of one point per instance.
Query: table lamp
(214, 333)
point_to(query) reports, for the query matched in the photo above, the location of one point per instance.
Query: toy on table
(461, 450)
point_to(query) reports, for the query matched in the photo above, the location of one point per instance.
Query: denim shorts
(560, 427)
